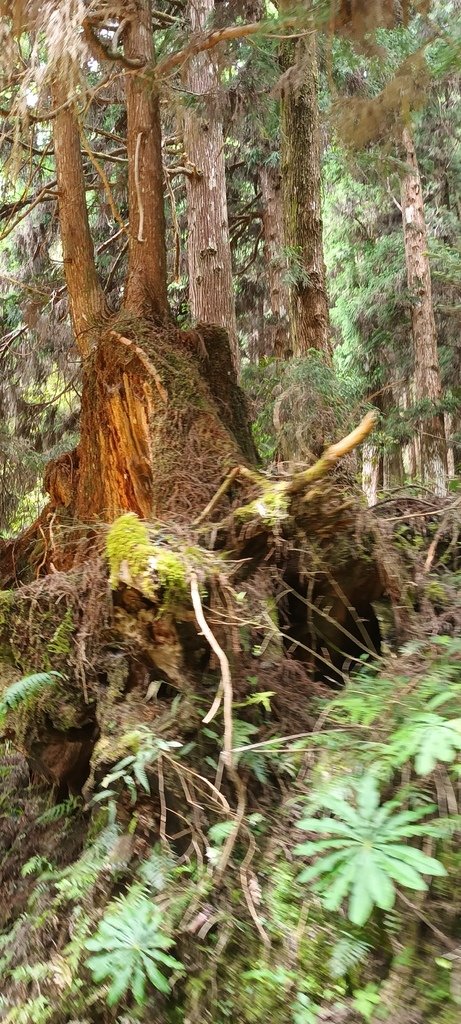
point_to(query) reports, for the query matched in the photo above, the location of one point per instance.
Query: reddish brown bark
(427, 384)
(85, 293)
(161, 417)
(146, 288)
(211, 293)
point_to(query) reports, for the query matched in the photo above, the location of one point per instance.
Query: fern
(361, 851)
(76, 881)
(35, 1011)
(24, 689)
(63, 810)
(128, 948)
(35, 866)
(132, 769)
(347, 952)
(255, 760)
(155, 871)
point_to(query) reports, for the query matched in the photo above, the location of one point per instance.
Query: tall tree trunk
(276, 291)
(86, 297)
(426, 361)
(159, 418)
(211, 294)
(301, 177)
(146, 287)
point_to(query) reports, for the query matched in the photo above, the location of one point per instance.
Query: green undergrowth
(348, 845)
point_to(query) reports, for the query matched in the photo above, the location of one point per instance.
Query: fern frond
(26, 687)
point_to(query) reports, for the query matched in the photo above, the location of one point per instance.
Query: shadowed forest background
(230, 460)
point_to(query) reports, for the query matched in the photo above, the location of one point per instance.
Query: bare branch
(331, 456)
(206, 42)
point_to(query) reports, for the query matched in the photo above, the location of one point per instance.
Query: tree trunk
(211, 293)
(146, 287)
(162, 418)
(276, 291)
(301, 176)
(426, 361)
(371, 472)
(86, 297)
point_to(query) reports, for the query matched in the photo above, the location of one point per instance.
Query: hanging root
(225, 688)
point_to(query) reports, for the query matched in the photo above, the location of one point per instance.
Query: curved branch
(206, 42)
(332, 455)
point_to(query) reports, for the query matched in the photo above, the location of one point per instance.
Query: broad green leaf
(360, 903)
(323, 865)
(327, 826)
(120, 983)
(138, 984)
(378, 883)
(339, 887)
(141, 776)
(402, 872)
(155, 976)
(419, 860)
(319, 846)
(367, 797)
(342, 810)
(165, 958)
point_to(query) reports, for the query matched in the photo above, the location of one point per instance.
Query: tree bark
(301, 176)
(211, 293)
(427, 384)
(276, 291)
(86, 297)
(371, 472)
(146, 287)
(162, 417)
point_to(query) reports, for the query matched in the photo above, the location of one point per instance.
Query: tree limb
(331, 456)
(207, 42)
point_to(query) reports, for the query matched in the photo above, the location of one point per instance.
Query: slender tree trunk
(146, 287)
(410, 452)
(426, 362)
(301, 177)
(449, 431)
(371, 472)
(86, 297)
(276, 291)
(211, 294)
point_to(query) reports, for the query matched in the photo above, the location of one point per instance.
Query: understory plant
(362, 850)
(129, 949)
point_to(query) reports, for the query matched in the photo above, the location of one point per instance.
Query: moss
(271, 507)
(437, 593)
(6, 603)
(171, 573)
(129, 548)
(155, 569)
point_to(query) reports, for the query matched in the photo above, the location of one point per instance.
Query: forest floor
(170, 719)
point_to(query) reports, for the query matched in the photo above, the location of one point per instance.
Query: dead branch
(106, 51)
(206, 42)
(238, 471)
(331, 456)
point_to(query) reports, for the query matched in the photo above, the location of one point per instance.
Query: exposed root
(225, 688)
